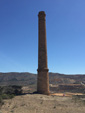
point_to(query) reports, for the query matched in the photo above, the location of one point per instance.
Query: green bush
(8, 92)
(7, 96)
(1, 101)
(11, 96)
(16, 90)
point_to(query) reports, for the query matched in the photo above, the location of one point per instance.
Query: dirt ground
(36, 103)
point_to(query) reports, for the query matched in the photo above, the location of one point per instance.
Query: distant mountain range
(14, 78)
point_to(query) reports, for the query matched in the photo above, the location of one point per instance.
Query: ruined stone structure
(43, 77)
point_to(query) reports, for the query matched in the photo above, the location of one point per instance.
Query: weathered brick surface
(43, 78)
(43, 82)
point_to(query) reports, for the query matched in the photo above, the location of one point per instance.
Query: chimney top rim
(41, 13)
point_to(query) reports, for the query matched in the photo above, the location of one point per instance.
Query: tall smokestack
(43, 77)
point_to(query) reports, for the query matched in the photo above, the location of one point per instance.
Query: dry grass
(42, 104)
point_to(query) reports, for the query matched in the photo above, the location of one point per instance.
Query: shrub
(7, 96)
(1, 101)
(8, 92)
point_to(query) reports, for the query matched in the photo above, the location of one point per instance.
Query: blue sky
(65, 26)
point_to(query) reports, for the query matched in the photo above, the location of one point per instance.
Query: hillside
(14, 78)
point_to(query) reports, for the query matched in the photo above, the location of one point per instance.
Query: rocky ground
(36, 103)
